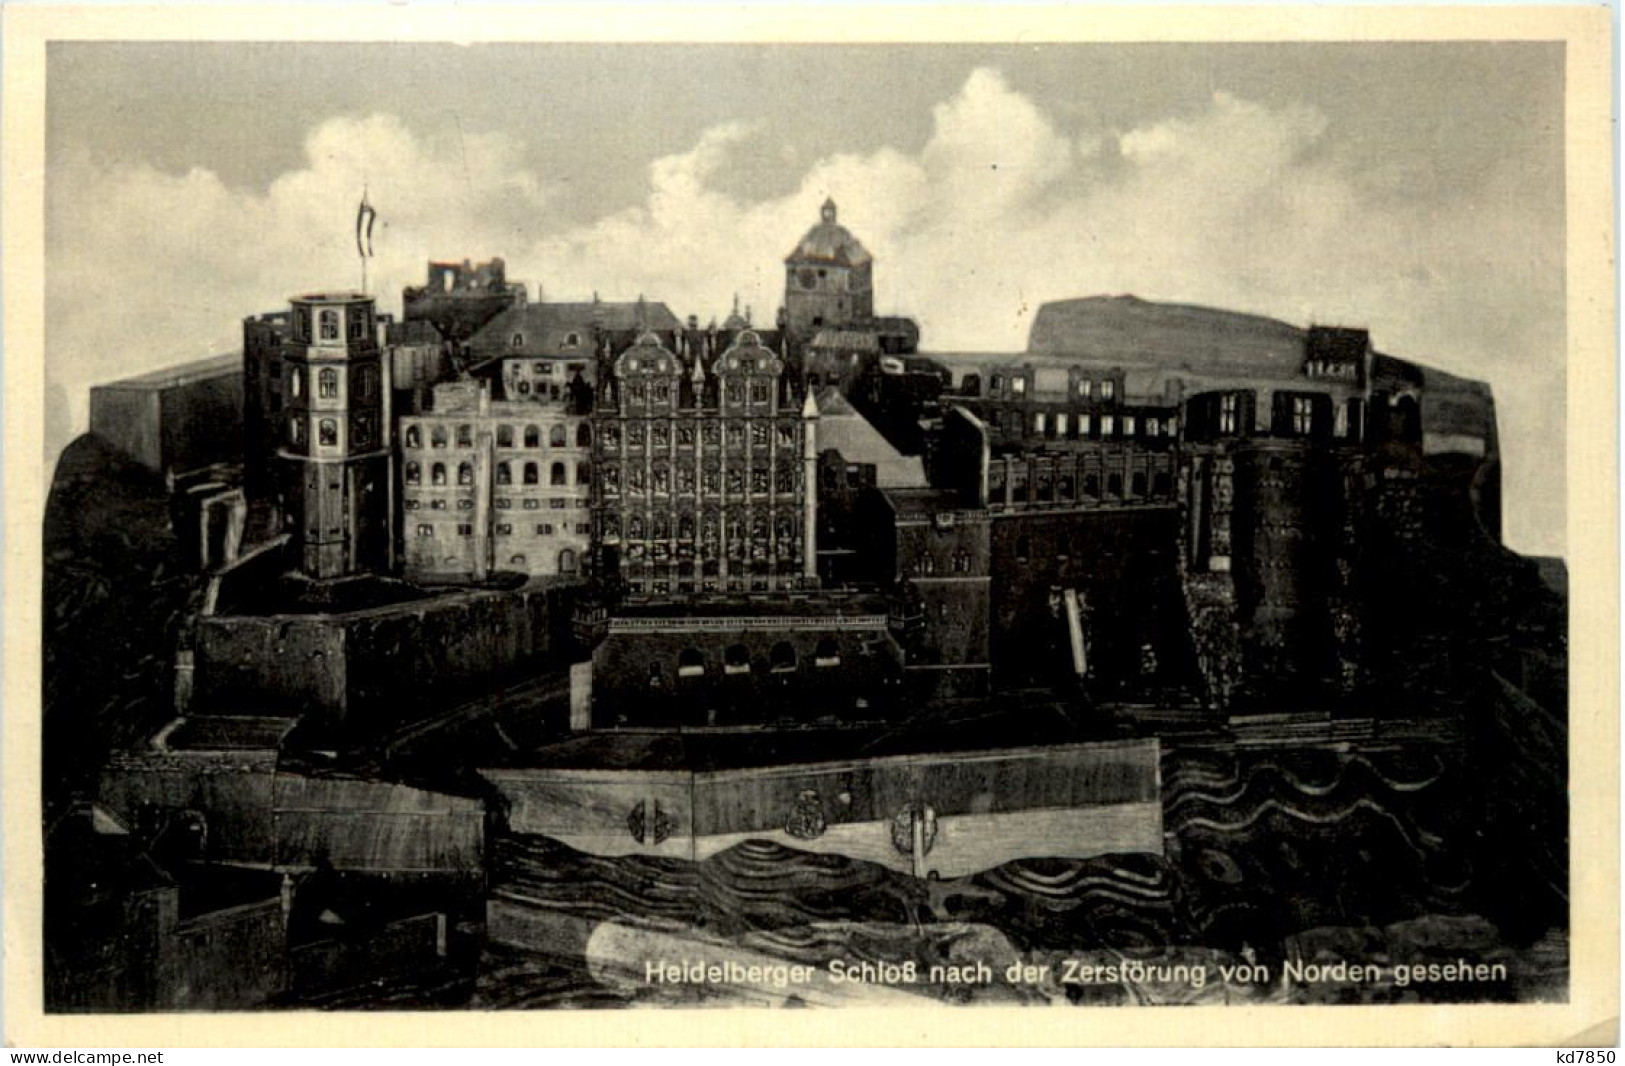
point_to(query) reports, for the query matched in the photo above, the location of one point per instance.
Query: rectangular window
(1086, 425)
(425, 531)
(1303, 415)
(1227, 413)
(465, 529)
(1128, 425)
(1039, 423)
(1018, 386)
(557, 504)
(504, 530)
(1108, 389)
(1061, 424)
(1108, 426)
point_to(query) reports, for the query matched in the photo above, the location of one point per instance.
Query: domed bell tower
(335, 436)
(829, 279)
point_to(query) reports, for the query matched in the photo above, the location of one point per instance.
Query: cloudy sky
(1415, 189)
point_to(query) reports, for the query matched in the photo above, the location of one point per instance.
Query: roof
(924, 502)
(1127, 330)
(545, 327)
(830, 242)
(229, 733)
(842, 428)
(1338, 343)
(861, 340)
(224, 364)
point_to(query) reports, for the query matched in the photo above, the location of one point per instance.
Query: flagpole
(364, 218)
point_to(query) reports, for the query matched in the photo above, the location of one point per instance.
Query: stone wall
(680, 675)
(1123, 564)
(373, 670)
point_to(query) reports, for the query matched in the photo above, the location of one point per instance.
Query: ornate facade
(706, 471)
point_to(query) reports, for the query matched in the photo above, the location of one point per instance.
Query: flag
(364, 218)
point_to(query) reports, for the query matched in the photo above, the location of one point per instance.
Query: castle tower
(829, 279)
(334, 436)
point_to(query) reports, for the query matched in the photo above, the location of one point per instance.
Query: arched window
(329, 432)
(465, 473)
(504, 436)
(556, 436)
(782, 659)
(414, 437)
(504, 474)
(327, 382)
(828, 653)
(414, 474)
(690, 663)
(736, 659)
(558, 475)
(584, 435)
(533, 437)
(465, 436)
(571, 340)
(533, 474)
(972, 385)
(583, 473)
(1091, 485)
(1138, 483)
(1114, 485)
(567, 561)
(518, 340)
(437, 475)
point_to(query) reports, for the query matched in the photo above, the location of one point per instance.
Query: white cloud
(1235, 205)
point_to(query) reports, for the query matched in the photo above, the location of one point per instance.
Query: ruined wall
(1124, 566)
(130, 420)
(252, 664)
(639, 677)
(377, 669)
(254, 814)
(406, 662)
(227, 959)
(1287, 521)
(202, 421)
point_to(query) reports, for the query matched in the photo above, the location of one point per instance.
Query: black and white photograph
(584, 525)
